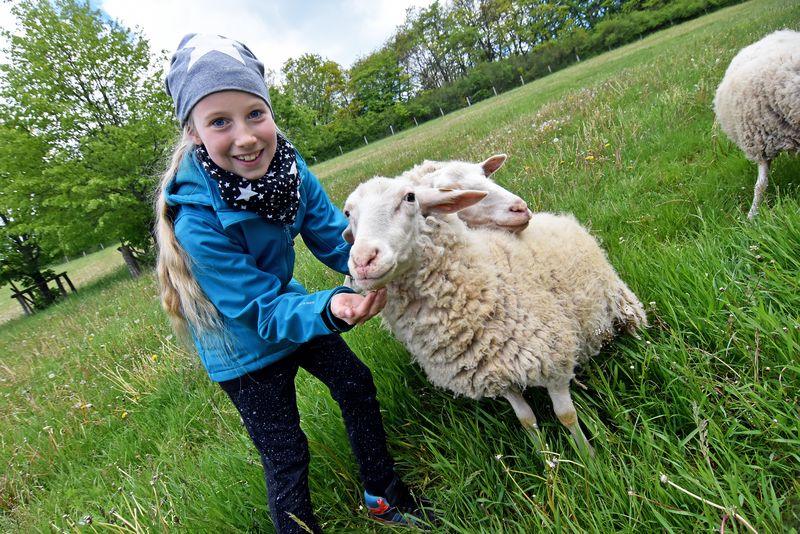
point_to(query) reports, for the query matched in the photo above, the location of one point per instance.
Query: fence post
(468, 102)
(27, 308)
(441, 112)
(549, 69)
(69, 282)
(495, 90)
(341, 152)
(60, 286)
(522, 81)
(391, 129)
(577, 57)
(415, 122)
(365, 140)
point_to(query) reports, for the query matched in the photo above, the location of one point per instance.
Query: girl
(228, 209)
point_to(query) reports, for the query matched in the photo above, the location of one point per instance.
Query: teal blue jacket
(244, 264)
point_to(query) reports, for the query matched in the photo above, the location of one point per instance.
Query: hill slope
(105, 417)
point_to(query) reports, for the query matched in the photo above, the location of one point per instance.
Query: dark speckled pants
(267, 403)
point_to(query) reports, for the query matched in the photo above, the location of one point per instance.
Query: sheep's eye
(347, 213)
(410, 197)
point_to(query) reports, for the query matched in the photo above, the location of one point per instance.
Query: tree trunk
(41, 284)
(130, 261)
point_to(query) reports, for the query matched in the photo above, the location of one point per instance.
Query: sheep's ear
(491, 165)
(432, 200)
(348, 235)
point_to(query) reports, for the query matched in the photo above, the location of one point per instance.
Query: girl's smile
(247, 158)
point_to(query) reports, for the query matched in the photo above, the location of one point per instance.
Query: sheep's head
(383, 216)
(501, 209)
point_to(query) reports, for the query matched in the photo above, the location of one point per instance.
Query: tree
(378, 82)
(316, 83)
(486, 20)
(423, 48)
(535, 22)
(21, 256)
(89, 89)
(296, 121)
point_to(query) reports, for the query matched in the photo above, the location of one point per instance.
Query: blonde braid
(181, 296)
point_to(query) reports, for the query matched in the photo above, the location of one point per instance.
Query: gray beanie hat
(205, 64)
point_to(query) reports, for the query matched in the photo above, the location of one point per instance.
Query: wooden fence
(25, 296)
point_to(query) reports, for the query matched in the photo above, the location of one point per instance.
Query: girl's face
(237, 130)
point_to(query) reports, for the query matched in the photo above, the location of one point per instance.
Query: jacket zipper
(290, 242)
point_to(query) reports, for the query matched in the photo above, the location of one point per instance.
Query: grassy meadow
(107, 424)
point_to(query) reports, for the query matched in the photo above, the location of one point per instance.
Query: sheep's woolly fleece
(757, 103)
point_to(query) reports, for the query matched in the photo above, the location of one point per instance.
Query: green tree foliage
(377, 82)
(88, 88)
(535, 22)
(296, 121)
(484, 28)
(22, 257)
(440, 56)
(316, 83)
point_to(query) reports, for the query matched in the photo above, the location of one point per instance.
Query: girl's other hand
(356, 309)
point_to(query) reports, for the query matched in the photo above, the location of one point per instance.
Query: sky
(275, 30)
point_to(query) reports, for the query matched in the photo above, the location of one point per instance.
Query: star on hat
(204, 43)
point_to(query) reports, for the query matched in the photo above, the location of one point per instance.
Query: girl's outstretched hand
(356, 309)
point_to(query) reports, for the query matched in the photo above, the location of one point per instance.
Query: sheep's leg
(525, 415)
(565, 410)
(761, 186)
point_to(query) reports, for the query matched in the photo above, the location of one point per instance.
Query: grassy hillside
(108, 425)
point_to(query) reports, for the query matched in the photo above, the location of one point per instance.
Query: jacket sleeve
(323, 224)
(241, 291)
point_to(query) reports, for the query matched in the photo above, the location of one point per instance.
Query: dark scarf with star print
(275, 196)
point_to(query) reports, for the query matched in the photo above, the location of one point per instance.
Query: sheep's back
(569, 263)
(757, 102)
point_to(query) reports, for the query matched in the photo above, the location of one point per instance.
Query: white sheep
(757, 103)
(483, 312)
(500, 209)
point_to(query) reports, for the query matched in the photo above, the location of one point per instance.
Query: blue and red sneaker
(398, 507)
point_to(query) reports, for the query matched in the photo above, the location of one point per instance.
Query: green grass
(102, 415)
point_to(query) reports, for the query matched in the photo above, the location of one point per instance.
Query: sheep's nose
(519, 207)
(363, 258)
